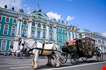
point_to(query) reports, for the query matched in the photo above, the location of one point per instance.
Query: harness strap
(42, 49)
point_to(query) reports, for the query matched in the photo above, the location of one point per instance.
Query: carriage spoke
(63, 58)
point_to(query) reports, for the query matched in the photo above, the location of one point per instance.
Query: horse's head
(21, 41)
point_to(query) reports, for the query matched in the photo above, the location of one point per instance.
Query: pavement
(16, 63)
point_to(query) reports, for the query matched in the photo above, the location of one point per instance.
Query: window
(38, 34)
(0, 25)
(50, 34)
(33, 24)
(24, 30)
(7, 19)
(39, 25)
(0, 18)
(44, 26)
(44, 33)
(14, 21)
(33, 31)
(3, 45)
(6, 28)
(38, 30)
(13, 31)
(10, 43)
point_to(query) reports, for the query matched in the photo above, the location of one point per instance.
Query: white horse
(52, 51)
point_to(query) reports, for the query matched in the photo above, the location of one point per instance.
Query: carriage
(83, 48)
(75, 49)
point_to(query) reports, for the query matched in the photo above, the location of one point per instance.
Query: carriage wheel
(73, 60)
(55, 60)
(63, 58)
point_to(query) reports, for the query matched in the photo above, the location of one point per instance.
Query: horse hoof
(57, 65)
(34, 68)
(48, 64)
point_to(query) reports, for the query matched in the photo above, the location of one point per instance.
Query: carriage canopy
(87, 41)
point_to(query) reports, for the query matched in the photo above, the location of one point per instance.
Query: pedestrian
(11, 49)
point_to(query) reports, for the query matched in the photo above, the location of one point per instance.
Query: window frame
(3, 44)
(6, 19)
(38, 34)
(0, 26)
(0, 18)
(24, 30)
(13, 30)
(4, 29)
(44, 33)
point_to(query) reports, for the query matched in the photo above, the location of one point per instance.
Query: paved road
(13, 63)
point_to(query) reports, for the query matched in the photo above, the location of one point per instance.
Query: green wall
(8, 36)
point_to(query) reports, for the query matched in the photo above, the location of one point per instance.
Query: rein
(42, 49)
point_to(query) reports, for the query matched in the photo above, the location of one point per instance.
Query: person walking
(11, 49)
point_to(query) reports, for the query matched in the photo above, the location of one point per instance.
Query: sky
(86, 14)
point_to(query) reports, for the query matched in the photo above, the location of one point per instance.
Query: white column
(68, 36)
(71, 37)
(35, 30)
(20, 30)
(55, 34)
(17, 29)
(41, 35)
(29, 29)
(47, 32)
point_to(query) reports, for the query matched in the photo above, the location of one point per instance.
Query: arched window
(38, 34)
(50, 33)
(33, 23)
(7, 19)
(6, 28)
(14, 20)
(44, 26)
(3, 45)
(33, 30)
(24, 29)
(39, 25)
(0, 26)
(13, 30)
(44, 31)
(0, 18)
(38, 30)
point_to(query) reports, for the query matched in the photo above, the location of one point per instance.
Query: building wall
(101, 42)
(7, 32)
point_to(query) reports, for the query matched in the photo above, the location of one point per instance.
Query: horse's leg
(35, 57)
(49, 61)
